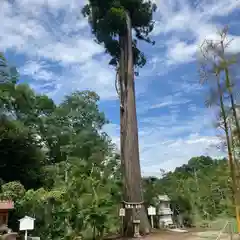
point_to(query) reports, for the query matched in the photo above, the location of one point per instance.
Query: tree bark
(132, 180)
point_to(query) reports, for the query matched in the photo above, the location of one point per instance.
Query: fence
(228, 228)
(225, 233)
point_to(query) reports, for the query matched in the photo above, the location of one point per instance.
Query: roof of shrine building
(6, 205)
(164, 198)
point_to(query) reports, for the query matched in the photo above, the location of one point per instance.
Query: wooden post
(152, 224)
(151, 212)
(122, 215)
(25, 238)
(122, 227)
(230, 231)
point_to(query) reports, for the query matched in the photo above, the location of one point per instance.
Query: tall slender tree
(112, 23)
(225, 61)
(212, 63)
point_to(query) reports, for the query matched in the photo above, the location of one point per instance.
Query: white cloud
(93, 75)
(181, 52)
(42, 38)
(54, 30)
(60, 50)
(62, 57)
(70, 51)
(168, 101)
(190, 26)
(172, 154)
(38, 70)
(169, 141)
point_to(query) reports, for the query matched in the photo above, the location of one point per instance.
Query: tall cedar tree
(112, 22)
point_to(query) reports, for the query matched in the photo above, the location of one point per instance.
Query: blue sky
(52, 46)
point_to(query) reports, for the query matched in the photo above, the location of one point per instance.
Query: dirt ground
(194, 235)
(167, 236)
(207, 235)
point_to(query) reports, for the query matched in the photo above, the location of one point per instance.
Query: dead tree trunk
(129, 133)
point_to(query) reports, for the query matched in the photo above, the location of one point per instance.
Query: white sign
(26, 223)
(122, 212)
(151, 211)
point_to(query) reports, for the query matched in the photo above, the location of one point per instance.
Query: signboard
(26, 223)
(121, 212)
(151, 211)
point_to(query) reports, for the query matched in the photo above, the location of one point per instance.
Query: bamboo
(230, 156)
(231, 230)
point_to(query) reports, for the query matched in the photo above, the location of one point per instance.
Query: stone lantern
(164, 211)
(7, 234)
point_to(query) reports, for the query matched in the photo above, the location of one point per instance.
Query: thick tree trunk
(129, 134)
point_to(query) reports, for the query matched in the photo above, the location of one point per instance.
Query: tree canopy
(108, 22)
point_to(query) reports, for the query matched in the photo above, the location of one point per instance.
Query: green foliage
(50, 133)
(7, 73)
(83, 204)
(108, 22)
(21, 157)
(57, 164)
(12, 191)
(59, 167)
(72, 129)
(199, 189)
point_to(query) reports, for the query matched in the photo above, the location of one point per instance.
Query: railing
(226, 233)
(228, 227)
